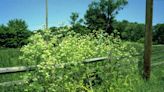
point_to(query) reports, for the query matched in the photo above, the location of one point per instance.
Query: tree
(76, 24)
(3, 28)
(158, 33)
(15, 34)
(3, 36)
(17, 25)
(74, 17)
(101, 14)
(131, 31)
(120, 26)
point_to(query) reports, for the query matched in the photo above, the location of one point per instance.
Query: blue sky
(33, 11)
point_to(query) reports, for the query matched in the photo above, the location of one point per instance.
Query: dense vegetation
(154, 85)
(98, 34)
(72, 49)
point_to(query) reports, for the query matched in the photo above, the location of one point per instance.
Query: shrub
(59, 67)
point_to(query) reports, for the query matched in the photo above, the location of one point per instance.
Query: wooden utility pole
(46, 14)
(148, 39)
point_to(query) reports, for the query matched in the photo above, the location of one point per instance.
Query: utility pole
(46, 14)
(148, 39)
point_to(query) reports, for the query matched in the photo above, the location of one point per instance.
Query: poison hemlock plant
(46, 51)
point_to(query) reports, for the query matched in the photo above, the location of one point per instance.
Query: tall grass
(9, 57)
(156, 82)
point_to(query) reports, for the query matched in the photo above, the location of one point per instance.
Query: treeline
(14, 34)
(133, 31)
(100, 15)
(128, 31)
(158, 33)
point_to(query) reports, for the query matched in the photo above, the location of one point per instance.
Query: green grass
(9, 58)
(156, 82)
(158, 53)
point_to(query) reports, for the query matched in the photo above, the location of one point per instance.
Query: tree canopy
(158, 33)
(14, 34)
(101, 14)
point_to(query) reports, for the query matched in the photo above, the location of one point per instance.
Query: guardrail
(9, 70)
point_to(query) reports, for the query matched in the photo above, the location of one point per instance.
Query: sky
(33, 11)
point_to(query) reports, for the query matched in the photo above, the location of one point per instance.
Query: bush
(116, 74)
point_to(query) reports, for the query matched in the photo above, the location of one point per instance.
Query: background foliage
(15, 34)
